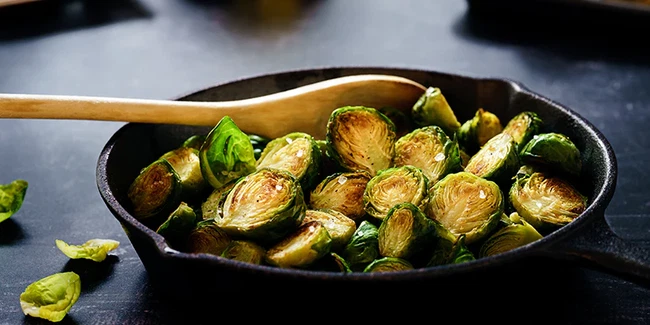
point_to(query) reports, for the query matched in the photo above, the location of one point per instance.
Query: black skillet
(587, 240)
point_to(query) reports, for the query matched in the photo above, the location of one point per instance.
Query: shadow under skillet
(42, 18)
(570, 31)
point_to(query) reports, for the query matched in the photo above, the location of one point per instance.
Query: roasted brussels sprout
(497, 160)
(207, 238)
(307, 244)
(259, 143)
(393, 186)
(475, 132)
(195, 141)
(360, 138)
(178, 225)
(405, 232)
(432, 109)
(264, 206)
(340, 227)
(211, 207)
(429, 149)
(187, 165)
(523, 127)
(93, 249)
(460, 253)
(297, 153)
(388, 264)
(466, 204)
(155, 190)
(332, 262)
(449, 249)
(11, 198)
(227, 154)
(363, 247)
(554, 150)
(342, 192)
(51, 297)
(509, 237)
(403, 122)
(244, 251)
(545, 201)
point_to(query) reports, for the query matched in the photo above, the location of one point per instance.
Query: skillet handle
(597, 246)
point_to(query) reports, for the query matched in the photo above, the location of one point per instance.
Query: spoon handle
(271, 114)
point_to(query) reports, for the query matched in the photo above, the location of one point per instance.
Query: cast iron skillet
(587, 239)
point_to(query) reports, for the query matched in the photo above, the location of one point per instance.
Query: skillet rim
(595, 210)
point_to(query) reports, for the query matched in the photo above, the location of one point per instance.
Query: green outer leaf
(370, 159)
(179, 224)
(306, 175)
(51, 297)
(227, 154)
(555, 150)
(363, 247)
(432, 109)
(94, 249)
(388, 264)
(11, 198)
(194, 141)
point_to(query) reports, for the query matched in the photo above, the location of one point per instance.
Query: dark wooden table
(162, 49)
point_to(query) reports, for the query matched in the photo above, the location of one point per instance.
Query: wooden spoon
(304, 109)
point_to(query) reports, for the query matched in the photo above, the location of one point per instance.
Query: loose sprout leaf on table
(11, 198)
(51, 297)
(384, 191)
(93, 249)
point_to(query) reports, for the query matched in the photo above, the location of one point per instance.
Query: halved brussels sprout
(475, 132)
(403, 123)
(361, 138)
(342, 192)
(546, 201)
(300, 249)
(429, 149)
(393, 186)
(264, 206)
(178, 225)
(497, 160)
(388, 264)
(155, 190)
(466, 204)
(523, 127)
(555, 150)
(363, 247)
(227, 154)
(244, 251)
(340, 227)
(187, 165)
(259, 143)
(405, 232)
(51, 297)
(11, 198)
(211, 207)
(450, 251)
(508, 238)
(93, 249)
(194, 141)
(432, 109)
(207, 238)
(297, 153)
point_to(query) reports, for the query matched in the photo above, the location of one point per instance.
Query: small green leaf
(51, 297)
(94, 249)
(11, 198)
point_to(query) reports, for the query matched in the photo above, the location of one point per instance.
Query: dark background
(594, 61)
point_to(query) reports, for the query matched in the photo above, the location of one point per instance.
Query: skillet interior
(136, 145)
